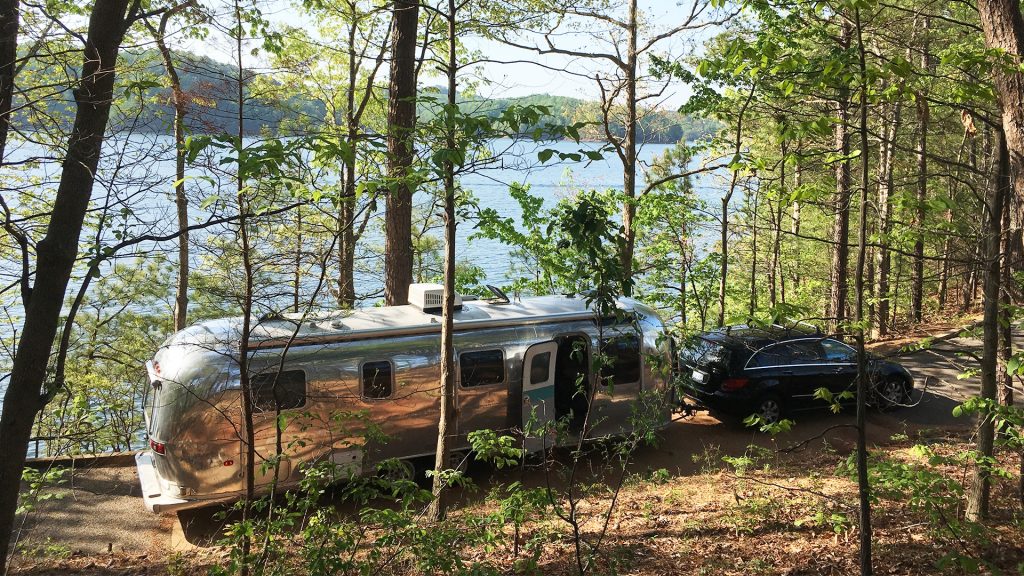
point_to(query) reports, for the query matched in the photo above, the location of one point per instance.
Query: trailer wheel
(396, 470)
(458, 460)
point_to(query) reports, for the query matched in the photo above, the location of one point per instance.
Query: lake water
(138, 172)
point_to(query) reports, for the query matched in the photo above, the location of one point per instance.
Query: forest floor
(682, 510)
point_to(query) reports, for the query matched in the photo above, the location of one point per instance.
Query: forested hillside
(327, 272)
(208, 86)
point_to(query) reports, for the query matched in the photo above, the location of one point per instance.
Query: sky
(509, 73)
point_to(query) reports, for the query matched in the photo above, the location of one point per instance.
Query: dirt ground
(100, 513)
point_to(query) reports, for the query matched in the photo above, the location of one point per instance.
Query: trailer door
(538, 393)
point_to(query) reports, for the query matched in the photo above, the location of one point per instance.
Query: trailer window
(539, 368)
(284, 390)
(481, 368)
(622, 359)
(377, 378)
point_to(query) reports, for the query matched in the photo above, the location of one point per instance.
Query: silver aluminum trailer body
(334, 379)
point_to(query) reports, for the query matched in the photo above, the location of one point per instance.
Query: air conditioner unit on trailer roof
(430, 297)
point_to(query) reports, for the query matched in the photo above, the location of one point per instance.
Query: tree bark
(917, 281)
(753, 254)
(9, 24)
(841, 204)
(863, 486)
(401, 130)
(57, 251)
(978, 494)
(883, 258)
(1003, 25)
(1005, 301)
(629, 155)
(180, 200)
(447, 421)
(777, 282)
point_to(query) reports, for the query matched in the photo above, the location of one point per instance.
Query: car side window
(787, 354)
(773, 355)
(837, 351)
(803, 352)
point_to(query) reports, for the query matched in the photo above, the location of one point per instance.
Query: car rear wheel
(769, 408)
(890, 393)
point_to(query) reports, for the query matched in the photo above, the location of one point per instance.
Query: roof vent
(430, 297)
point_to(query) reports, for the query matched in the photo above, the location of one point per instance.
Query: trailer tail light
(157, 447)
(229, 462)
(731, 384)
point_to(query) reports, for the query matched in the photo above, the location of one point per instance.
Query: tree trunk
(297, 270)
(917, 282)
(883, 258)
(1005, 301)
(447, 422)
(629, 156)
(863, 486)
(753, 254)
(180, 200)
(841, 204)
(978, 495)
(401, 130)
(724, 272)
(57, 251)
(347, 247)
(798, 180)
(777, 283)
(244, 381)
(1003, 25)
(9, 23)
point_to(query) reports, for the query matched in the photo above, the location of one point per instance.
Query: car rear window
(701, 352)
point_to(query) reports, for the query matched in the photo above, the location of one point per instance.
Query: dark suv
(773, 370)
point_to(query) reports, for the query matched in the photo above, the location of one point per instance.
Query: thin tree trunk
(629, 155)
(297, 271)
(798, 180)
(753, 254)
(725, 209)
(401, 129)
(863, 486)
(1005, 301)
(978, 494)
(883, 258)
(56, 252)
(180, 200)
(447, 422)
(347, 208)
(777, 283)
(841, 204)
(244, 382)
(917, 282)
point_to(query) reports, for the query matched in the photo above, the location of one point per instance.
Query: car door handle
(787, 372)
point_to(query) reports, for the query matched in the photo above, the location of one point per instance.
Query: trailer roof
(389, 321)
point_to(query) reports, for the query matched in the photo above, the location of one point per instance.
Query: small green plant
(709, 458)
(38, 481)
(48, 549)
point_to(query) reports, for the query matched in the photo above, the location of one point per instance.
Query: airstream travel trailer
(518, 363)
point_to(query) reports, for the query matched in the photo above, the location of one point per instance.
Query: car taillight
(734, 383)
(157, 447)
